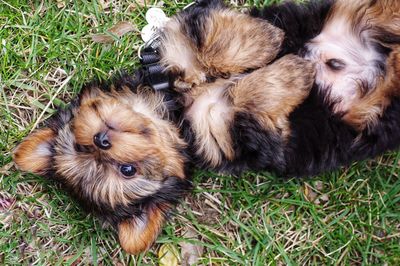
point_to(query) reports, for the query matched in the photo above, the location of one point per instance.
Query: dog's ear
(35, 152)
(89, 92)
(137, 234)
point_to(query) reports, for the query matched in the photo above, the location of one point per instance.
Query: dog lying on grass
(272, 118)
(256, 92)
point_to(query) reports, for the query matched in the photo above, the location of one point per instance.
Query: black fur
(192, 19)
(319, 139)
(382, 137)
(300, 21)
(249, 138)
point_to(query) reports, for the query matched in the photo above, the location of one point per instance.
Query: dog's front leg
(216, 42)
(271, 93)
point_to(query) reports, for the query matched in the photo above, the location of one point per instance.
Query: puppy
(118, 154)
(335, 102)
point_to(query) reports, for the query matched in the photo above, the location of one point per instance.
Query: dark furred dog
(257, 92)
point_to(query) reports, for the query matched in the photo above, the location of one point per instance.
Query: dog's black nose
(101, 140)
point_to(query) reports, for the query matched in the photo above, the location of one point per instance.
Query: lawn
(351, 216)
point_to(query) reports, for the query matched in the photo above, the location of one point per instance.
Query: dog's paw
(189, 80)
(181, 86)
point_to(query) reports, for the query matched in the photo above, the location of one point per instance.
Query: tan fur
(179, 54)
(367, 110)
(370, 14)
(135, 131)
(271, 93)
(370, 18)
(211, 114)
(33, 154)
(137, 235)
(233, 43)
(140, 135)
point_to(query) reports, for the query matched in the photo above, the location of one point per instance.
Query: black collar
(153, 74)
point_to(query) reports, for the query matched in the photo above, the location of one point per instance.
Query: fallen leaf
(168, 255)
(309, 193)
(71, 260)
(118, 30)
(190, 253)
(105, 4)
(5, 169)
(138, 3)
(141, 3)
(6, 201)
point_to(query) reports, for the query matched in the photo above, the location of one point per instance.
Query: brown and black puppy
(117, 153)
(242, 111)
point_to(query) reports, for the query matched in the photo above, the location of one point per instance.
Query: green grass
(351, 216)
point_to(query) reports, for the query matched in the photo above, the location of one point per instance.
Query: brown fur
(257, 41)
(236, 42)
(179, 55)
(134, 238)
(350, 34)
(372, 17)
(233, 45)
(367, 110)
(210, 112)
(271, 93)
(369, 14)
(33, 155)
(140, 135)
(385, 14)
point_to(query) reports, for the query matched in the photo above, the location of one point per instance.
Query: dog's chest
(210, 104)
(210, 113)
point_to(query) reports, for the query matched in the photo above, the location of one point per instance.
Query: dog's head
(115, 151)
(351, 51)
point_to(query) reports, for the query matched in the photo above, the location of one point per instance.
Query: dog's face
(345, 61)
(348, 53)
(118, 156)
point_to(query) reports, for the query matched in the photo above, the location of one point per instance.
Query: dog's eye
(127, 170)
(335, 64)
